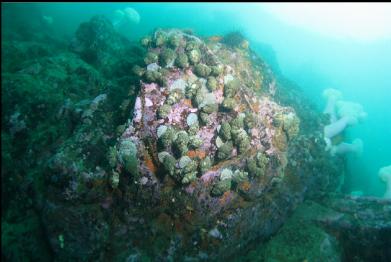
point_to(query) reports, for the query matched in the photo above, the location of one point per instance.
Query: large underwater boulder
(333, 227)
(97, 42)
(188, 149)
(220, 162)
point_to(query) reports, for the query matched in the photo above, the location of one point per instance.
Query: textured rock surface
(188, 149)
(256, 138)
(333, 228)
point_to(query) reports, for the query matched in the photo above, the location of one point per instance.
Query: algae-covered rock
(163, 111)
(194, 56)
(150, 58)
(228, 103)
(225, 151)
(202, 70)
(167, 57)
(127, 154)
(224, 183)
(197, 149)
(97, 43)
(212, 83)
(180, 143)
(231, 88)
(182, 60)
(205, 164)
(225, 131)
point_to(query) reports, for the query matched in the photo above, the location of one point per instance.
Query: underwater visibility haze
(196, 132)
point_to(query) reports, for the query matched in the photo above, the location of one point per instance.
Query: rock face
(186, 150)
(327, 229)
(219, 161)
(97, 42)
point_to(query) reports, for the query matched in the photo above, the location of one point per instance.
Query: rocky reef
(214, 147)
(174, 148)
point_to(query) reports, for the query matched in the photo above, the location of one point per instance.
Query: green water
(359, 68)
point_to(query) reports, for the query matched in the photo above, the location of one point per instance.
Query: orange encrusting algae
(150, 165)
(187, 102)
(245, 186)
(225, 198)
(196, 153)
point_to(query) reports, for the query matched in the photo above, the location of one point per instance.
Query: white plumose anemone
(343, 148)
(333, 96)
(349, 113)
(385, 176)
(126, 16)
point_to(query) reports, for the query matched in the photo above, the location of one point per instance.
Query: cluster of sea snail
(176, 50)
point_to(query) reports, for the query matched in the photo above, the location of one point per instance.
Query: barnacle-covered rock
(194, 56)
(192, 119)
(210, 107)
(151, 58)
(138, 70)
(112, 156)
(189, 181)
(199, 98)
(174, 40)
(231, 88)
(160, 38)
(189, 177)
(193, 129)
(195, 141)
(152, 76)
(217, 70)
(167, 57)
(208, 104)
(202, 165)
(237, 122)
(174, 97)
(169, 163)
(163, 111)
(192, 89)
(127, 154)
(262, 160)
(225, 151)
(224, 183)
(228, 103)
(239, 176)
(225, 131)
(212, 83)
(205, 164)
(202, 70)
(220, 187)
(204, 117)
(188, 167)
(180, 142)
(249, 120)
(243, 144)
(146, 41)
(192, 45)
(165, 135)
(256, 166)
(182, 61)
(290, 123)
(114, 179)
(252, 167)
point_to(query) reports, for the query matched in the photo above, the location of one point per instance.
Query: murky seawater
(104, 159)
